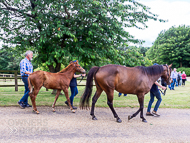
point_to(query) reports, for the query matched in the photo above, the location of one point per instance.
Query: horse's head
(78, 67)
(167, 74)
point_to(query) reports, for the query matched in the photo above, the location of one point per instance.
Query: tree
(84, 30)
(130, 56)
(10, 59)
(172, 46)
(143, 50)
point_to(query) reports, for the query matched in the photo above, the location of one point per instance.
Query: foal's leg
(65, 90)
(56, 97)
(141, 102)
(110, 104)
(94, 100)
(33, 96)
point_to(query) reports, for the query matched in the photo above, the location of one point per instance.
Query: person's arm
(75, 76)
(163, 87)
(27, 72)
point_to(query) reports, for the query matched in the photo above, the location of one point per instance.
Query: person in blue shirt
(154, 92)
(174, 75)
(73, 88)
(26, 69)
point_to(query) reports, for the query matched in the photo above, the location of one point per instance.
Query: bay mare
(127, 80)
(59, 81)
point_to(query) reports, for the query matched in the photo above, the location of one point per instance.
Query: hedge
(186, 70)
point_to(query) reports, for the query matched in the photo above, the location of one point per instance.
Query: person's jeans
(176, 83)
(121, 94)
(74, 92)
(24, 99)
(180, 82)
(173, 83)
(158, 96)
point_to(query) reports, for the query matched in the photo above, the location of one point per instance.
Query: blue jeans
(173, 83)
(121, 93)
(24, 99)
(74, 92)
(158, 96)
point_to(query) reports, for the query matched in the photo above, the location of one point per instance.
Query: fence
(16, 77)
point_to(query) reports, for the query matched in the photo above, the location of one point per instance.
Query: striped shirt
(25, 65)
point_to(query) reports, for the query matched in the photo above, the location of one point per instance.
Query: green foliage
(143, 50)
(130, 56)
(9, 59)
(60, 31)
(186, 70)
(172, 46)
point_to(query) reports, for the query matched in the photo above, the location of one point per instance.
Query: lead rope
(80, 80)
(164, 93)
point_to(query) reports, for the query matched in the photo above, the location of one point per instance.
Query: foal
(59, 81)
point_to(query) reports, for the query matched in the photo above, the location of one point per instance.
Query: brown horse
(127, 80)
(59, 81)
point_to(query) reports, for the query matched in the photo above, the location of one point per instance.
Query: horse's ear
(170, 65)
(77, 61)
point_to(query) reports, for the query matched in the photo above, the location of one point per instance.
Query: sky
(177, 12)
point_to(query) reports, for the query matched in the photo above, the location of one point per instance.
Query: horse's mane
(65, 69)
(151, 70)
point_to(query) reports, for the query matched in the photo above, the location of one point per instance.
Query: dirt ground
(21, 125)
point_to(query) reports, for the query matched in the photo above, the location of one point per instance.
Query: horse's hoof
(129, 117)
(119, 120)
(37, 112)
(53, 109)
(94, 118)
(144, 120)
(73, 111)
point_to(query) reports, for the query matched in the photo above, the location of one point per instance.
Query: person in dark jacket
(73, 88)
(154, 92)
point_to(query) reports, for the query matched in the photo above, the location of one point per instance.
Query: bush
(186, 70)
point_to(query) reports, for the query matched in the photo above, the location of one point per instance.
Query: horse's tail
(84, 101)
(30, 85)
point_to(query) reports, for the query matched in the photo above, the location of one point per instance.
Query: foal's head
(167, 73)
(78, 67)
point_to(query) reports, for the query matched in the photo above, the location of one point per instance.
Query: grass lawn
(178, 98)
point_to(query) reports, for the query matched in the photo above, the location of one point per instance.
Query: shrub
(186, 70)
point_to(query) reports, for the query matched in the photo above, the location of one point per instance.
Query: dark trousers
(24, 99)
(183, 81)
(74, 92)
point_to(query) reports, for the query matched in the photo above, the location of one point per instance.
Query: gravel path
(21, 125)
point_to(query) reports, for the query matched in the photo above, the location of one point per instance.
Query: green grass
(178, 98)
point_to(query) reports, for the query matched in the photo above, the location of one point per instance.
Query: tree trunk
(180, 62)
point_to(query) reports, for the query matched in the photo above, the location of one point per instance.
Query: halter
(167, 69)
(77, 66)
(164, 93)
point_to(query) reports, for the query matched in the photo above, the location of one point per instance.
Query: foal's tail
(30, 85)
(84, 101)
